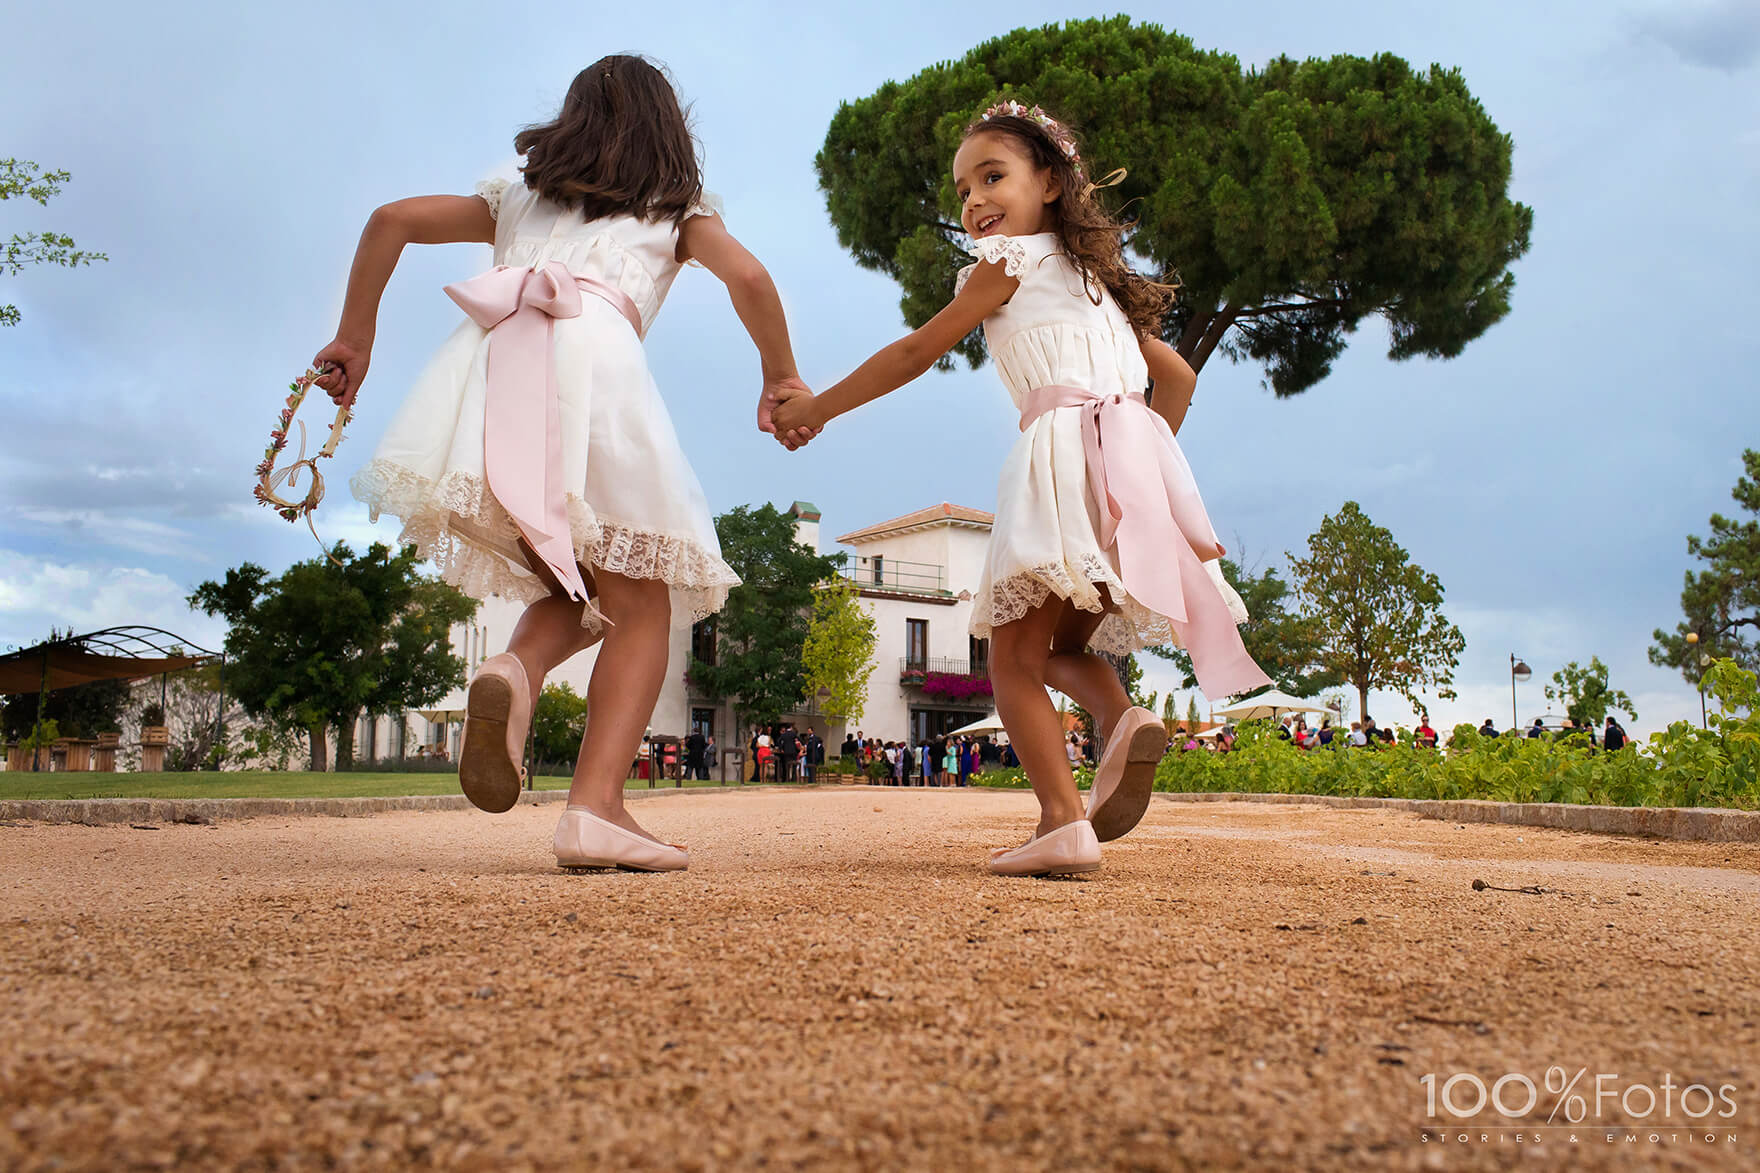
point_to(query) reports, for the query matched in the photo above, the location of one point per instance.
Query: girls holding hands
(1101, 539)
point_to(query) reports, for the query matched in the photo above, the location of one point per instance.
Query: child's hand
(347, 359)
(796, 417)
(776, 393)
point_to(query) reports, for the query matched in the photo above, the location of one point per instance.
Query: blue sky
(225, 156)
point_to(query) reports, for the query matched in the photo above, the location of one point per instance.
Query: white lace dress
(1046, 537)
(634, 505)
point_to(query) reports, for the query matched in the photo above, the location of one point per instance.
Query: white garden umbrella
(988, 724)
(1273, 705)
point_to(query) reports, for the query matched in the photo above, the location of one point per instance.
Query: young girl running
(1100, 539)
(534, 458)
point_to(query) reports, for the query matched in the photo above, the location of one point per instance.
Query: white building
(915, 574)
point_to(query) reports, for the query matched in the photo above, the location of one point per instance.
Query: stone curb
(96, 811)
(1702, 823)
(1658, 822)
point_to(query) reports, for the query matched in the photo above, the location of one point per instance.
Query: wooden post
(154, 739)
(104, 753)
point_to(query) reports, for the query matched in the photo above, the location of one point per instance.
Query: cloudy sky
(225, 157)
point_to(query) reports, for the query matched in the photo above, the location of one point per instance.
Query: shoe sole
(1124, 807)
(1072, 869)
(582, 869)
(488, 777)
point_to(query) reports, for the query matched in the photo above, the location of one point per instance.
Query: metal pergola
(129, 652)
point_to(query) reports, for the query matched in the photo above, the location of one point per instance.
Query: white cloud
(37, 594)
(1719, 34)
(109, 529)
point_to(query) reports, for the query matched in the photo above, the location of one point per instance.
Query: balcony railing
(878, 572)
(912, 670)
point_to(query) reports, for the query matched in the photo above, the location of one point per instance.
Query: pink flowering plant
(956, 688)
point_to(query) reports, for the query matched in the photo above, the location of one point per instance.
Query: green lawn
(248, 784)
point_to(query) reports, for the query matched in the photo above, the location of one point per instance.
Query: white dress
(634, 505)
(1045, 540)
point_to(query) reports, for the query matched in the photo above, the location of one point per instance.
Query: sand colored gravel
(837, 984)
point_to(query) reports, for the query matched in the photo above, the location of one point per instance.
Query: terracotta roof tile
(934, 513)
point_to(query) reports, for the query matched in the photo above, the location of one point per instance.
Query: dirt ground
(836, 983)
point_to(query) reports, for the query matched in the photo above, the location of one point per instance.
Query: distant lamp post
(1518, 671)
(1704, 663)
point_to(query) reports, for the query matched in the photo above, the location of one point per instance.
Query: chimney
(806, 524)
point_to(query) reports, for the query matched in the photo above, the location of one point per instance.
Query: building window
(879, 570)
(979, 650)
(703, 721)
(703, 641)
(916, 643)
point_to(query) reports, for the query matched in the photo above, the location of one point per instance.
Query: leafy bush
(1683, 765)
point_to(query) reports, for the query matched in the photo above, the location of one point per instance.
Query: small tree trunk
(1193, 333)
(1362, 700)
(320, 748)
(1218, 326)
(345, 742)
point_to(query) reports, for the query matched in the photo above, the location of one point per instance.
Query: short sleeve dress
(1046, 537)
(634, 506)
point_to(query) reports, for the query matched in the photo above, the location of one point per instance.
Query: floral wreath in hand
(269, 478)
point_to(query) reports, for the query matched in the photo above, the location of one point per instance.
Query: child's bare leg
(548, 633)
(620, 700)
(1018, 652)
(550, 630)
(1081, 675)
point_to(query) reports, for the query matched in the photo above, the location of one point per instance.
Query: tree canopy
(839, 651)
(1290, 202)
(1586, 693)
(321, 643)
(763, 628)
(557, 723)
(1723, 598)
(1376, 613)
(1280, 641)
(22, 178)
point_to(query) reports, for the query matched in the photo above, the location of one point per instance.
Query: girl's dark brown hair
(619, 146)
(1091, 238)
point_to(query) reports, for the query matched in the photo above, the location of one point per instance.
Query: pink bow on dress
(1151, 512)
(522, 431)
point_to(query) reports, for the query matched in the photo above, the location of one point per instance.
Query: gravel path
(836, 983)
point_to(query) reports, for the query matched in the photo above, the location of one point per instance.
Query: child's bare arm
(900, 362)
(706, 240)
(419, 220)
(1174, 381)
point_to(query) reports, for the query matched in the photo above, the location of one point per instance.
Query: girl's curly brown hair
(620, 145)
(1091, 238)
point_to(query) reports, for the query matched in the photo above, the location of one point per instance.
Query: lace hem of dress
(698, 578)
(490, 192)
(1089, 584)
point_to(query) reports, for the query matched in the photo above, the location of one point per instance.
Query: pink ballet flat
(1068, 851)
(1125, 777)
(498, 711)
(584, 840)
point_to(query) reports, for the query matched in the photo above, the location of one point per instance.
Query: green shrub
(1681, 766)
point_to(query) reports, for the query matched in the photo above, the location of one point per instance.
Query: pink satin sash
(1151, 513)
(522, 431)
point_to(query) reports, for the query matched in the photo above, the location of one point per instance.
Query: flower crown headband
(1060, 135)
